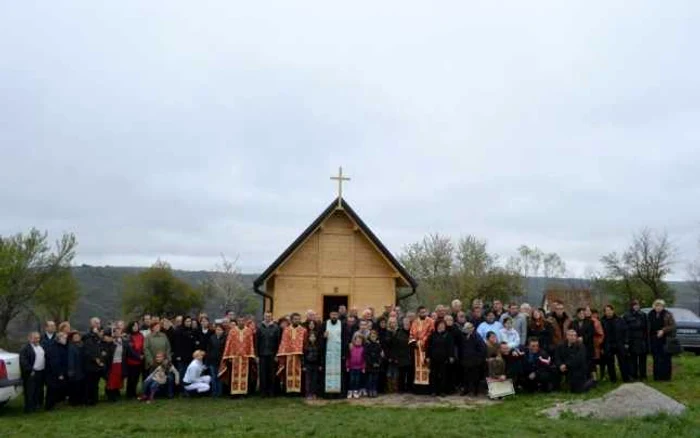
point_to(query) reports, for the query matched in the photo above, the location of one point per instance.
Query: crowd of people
(351, 354)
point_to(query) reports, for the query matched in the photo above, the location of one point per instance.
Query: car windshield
(684, 315)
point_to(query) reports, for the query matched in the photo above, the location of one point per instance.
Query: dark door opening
(332, 302)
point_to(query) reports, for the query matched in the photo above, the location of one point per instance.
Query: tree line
(465, 269)
(37, 284)
(36, 281)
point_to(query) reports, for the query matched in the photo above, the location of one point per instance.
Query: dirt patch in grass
(411, 401)
(628, 400)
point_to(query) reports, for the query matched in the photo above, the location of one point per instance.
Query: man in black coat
(266, 343)
(215, 351)
(585, 331)
(399, 353)
(440, 353)
(32, 362)
(93, 365)
(56, 371)
(472, 356)
(183, 345)
(638, 341)
(570, 360)
(614, 345)
(537, 368)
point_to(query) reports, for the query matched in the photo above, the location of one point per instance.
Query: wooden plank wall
(336, 260)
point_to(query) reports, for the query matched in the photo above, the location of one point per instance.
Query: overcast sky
(181, 130)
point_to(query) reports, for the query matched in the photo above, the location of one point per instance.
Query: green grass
(516, 416)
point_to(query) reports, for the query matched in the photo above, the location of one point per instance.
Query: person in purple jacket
(355, 365)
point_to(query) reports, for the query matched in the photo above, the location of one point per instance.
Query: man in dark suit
(267, 341)
(32, 362)
(93, 362)
(49, 334)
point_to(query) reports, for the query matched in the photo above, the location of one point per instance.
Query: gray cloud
(164, 130)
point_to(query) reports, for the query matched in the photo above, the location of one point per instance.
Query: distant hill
(101, 289)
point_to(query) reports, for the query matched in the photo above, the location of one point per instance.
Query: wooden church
(336, 261)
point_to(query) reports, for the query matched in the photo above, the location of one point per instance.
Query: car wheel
(3, 403)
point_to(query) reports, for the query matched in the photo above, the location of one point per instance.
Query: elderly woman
(662, 327)
(472, 355)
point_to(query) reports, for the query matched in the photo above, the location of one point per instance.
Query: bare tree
(464, 271)
(226, 286)
(430, 260)
(646, 262)
(553, 265)
(529, 261)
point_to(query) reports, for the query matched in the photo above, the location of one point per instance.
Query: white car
(10, 377)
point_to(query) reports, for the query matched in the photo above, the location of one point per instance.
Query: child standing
(355, 365)
(373, 362)
(312, 365)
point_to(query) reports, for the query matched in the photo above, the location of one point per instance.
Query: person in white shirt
(490, 325)
(194, 380)
(32, 362)
(519, 318)
(509, 335)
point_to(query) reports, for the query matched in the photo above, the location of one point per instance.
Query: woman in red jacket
(134, 359)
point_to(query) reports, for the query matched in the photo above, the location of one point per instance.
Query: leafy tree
(480, 275)
(27, 264)
(466, 270)
(57, 298)
(430, 261)
(156, 290)
(226, 286)
(640, 271)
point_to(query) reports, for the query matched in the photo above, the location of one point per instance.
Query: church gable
(337, 248)
(337, 244)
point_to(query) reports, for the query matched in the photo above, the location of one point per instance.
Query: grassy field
(516, 416)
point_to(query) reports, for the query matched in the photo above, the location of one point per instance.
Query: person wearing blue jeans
(215, 349)
(355, 381)
(215, 382)
(372, 380)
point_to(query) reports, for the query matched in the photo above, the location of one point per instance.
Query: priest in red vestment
(235, 362)
(290, 352)
(421, 329)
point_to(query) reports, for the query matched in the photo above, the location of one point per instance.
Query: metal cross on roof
(340, 178)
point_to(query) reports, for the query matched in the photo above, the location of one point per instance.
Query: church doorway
(332, 302)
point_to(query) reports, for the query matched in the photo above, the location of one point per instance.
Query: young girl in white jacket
(509, 334)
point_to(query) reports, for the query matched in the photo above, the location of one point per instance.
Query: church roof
(312, 228)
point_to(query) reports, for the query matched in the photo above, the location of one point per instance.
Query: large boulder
(628, 400)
